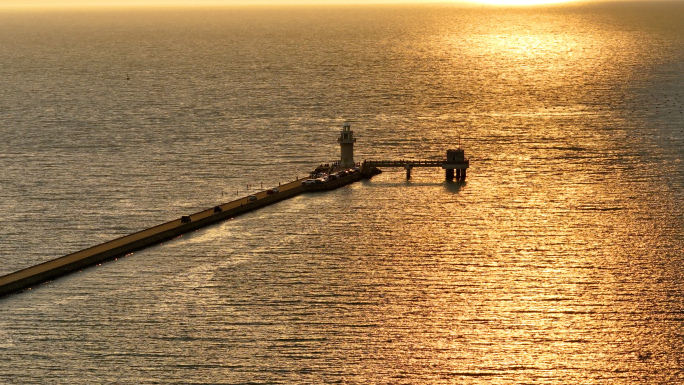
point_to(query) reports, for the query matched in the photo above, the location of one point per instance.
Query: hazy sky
(68, 3)
(123, 3)
(20, 3)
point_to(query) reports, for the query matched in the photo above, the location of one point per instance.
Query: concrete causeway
(32, 276)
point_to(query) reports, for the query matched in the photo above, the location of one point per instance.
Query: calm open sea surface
(558, 261)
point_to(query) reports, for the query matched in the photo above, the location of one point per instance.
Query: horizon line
(151, 4)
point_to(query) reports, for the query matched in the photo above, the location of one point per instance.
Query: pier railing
(453, 168)
(405, 163)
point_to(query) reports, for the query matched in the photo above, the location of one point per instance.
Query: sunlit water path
(558, 261)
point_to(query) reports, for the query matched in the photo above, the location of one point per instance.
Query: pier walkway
(455, 163)
(405, 163)
(32, 276)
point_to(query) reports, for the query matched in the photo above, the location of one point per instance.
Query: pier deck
(455, 164)
(417, 163)
(32, 276)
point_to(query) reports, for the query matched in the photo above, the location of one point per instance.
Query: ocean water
(558, 261)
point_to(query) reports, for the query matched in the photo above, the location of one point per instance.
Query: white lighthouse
(346, 141)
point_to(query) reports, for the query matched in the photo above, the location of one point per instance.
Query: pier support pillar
(408, 168)
(463, 174)
(458, 174)
(450, 174)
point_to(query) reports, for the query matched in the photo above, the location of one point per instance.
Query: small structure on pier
(456, 164)
(346, 141)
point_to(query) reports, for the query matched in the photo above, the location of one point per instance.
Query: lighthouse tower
(346, 141)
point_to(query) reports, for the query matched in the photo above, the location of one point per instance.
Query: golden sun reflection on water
(521, 2)
(529, 65)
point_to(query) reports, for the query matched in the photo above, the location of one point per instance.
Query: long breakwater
(47, 271)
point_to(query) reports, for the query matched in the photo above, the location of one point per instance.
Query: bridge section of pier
(455, 165)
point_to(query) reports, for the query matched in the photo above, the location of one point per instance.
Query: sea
(558, 261)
